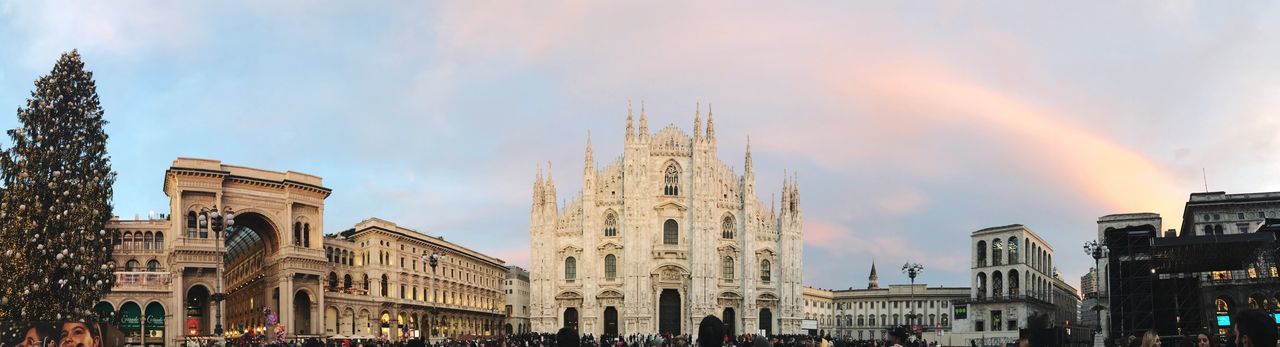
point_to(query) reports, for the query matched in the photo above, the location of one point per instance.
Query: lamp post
(1097, 251)
(912, 270)
(215, 221)
(433, 259)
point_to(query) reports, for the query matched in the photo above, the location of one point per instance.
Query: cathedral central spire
(873, 281)
(697, 121)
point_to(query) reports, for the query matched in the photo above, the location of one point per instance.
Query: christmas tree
(56, 201)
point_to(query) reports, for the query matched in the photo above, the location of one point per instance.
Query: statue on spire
(590, 160)
(711, 124)
(644, 120)
(747, 168)
(630, 130)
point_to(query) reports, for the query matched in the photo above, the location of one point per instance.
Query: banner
(960, 312)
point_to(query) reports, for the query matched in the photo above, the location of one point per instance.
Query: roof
(378, 224)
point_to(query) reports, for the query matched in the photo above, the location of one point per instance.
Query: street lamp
(1097, 251)
(433, 258)
(912, 270)
(212, 219)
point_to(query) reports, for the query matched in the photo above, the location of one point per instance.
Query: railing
(1242, 281)
(128, 279)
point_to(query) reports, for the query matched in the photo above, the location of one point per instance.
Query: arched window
(306, 235)
(671, 180)
(670, 232)
(570, 269)
(610, 224)
(873, 320)
(982, 285)
(346, 281)
(366, 283)
(766, 271)
(384, 285)
(982, 253)
(997, 284)
(1013, 281)
(862, 320)
(115, 240)
(610, 267)
(130, 265)
(153, 265)
(726, 228)
(726, 268)
(137, 241)
(996, 258)
(128, 240)
(191, 224)
(333, 280)
(1013, 250)
(297, 233)
(159, 241)
(945, 321)
(148, 240)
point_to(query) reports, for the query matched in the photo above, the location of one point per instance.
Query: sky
(910, 124)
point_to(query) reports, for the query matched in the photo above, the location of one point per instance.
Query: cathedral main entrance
(610, 321)
(669, 312)
(571, 318)
(766, 321)
(729, 319)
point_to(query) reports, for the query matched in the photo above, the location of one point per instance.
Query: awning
(155, 316)
(130, 317)
(104, 311)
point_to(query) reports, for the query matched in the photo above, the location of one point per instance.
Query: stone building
(517, 291)
(662, 236)
(818, 308)
(1012, 280)
(171, 269)
(868, 313)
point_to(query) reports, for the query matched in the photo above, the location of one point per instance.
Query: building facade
(517, 291)
(662, 236)
(1219, 213)
(869, 313)
(818, 309)
(171, 269)
(1012, 280)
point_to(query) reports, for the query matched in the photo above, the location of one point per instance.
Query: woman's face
(32, 338)
(76, 334)
(1202, 340)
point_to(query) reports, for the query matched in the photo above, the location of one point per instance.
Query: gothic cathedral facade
(662, 237)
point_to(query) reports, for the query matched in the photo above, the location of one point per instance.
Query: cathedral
(663, 236)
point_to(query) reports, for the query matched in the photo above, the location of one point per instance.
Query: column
(286, 304)
(175, 328)
(317, 325)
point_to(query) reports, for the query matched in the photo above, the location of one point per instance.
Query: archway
(331, 321)
(571, 318)
(730, 321)
(249, 243)
(197, 311)
(302, 313)
(349, 327)
(766, 321)
(610, 321)
(669, 312)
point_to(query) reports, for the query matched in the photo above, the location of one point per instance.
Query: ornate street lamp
(433, 258)
(215, 221)
(912, 270)
(1097, 251)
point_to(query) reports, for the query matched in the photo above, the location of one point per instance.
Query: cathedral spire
(644, 121)
(873, 281)
(747, 168)
(630, 130)
(537, 186)
(590, 160)
(697, 121)
(711, 124)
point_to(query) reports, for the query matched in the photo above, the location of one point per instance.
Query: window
(982, 253)
(191, 224)
(137, 241)
(996, 247)
(726, 228)
(346, 281)
(671, 180)
(115, 240)
(153, 265)
(130, 265)
(570, 269)
(148, 240)
(306, 235)
(1013, 250)
(297, 233)
(333, 280)
(384, 285)
(610, 267)
(1243, 228)
(610, 224)
(128, 240)
(726, 268)
(1240, 215)
(766, 272)
(670, 232)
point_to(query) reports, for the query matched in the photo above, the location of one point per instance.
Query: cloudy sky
(911, 124)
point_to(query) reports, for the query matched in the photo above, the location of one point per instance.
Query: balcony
(141, 280)
(1003, 299)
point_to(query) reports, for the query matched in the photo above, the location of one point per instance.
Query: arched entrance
(197, 311)
(302, 313)
(331, 321)
(249, 243)
(610, 321)
(669, 312)
(766, 321)
(571, 318)
(730, 321)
